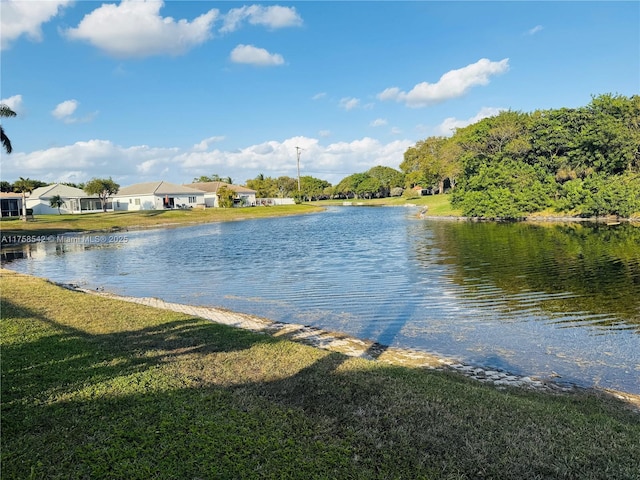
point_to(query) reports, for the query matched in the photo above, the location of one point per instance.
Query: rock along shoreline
(355, 347)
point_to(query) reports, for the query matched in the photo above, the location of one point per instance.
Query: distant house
(10, 204)
(244, 196)
(422, 191)
(75, 200)
(157, 196)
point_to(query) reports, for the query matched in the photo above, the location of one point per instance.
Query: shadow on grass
(71, 358)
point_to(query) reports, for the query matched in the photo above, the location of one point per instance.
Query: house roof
(157, 188)
(212, 187)
(8, 195)
(65, 191)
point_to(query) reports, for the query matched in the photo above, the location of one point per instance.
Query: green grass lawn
(98, 388)
(86, 222)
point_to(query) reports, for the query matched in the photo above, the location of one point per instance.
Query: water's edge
(366, 349)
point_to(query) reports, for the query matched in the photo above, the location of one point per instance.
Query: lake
(557, 301)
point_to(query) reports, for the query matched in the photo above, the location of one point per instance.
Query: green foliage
(213, 178)
(103, 188)
(312, 188)
(24, 185)
(505, 189)
(5, 111)
(388, 179)
(582, 160)
(226, 197)
(431, 162)
(267, 187)
(56, 202)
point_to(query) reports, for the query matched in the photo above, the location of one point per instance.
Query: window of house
(137, 201)
(192, 199)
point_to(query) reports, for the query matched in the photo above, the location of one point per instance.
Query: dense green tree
(56, 202)
(387, 177)
(348, 186)
(505, 189)
(369, 187)
(312, 188)
(583, 160)
(265, 187)
(226, 196)
(5, 186)
(286, 186)
(431, 162)
(103, 187)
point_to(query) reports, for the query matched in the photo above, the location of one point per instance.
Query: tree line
(577, 161)
(581, 161)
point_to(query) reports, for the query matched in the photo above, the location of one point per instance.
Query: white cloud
(535, 30)
(318, 96)
(65, 109)
(255, 56)
(127, 165)
(378, 122)
(14, 103)
(324, 133)
(135, 28)
(396, 131)
(452, 84)
(95, 158)
(349, 103)
(206, 143)
(448, 126)
(20, 17)
(272, 17)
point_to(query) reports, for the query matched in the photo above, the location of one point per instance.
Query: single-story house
(10, 204)
(244, 196)
(422, 191)
(75, 200)
(157, 196)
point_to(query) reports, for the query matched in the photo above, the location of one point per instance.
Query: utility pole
(298, 150)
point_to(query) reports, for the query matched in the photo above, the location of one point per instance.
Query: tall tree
(24, 185)
(103, 187)
(312, 188)
(5, 111)
(388, 178)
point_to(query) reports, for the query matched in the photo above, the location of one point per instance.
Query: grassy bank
(97, 388)
(438, 205)
(89, 222)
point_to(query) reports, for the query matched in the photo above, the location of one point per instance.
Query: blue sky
(147, 90)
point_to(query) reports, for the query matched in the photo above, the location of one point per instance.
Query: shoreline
(366, 349)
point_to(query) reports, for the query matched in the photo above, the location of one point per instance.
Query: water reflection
(577, 273)
(499, 295)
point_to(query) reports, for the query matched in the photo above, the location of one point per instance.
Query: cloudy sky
(150, 90)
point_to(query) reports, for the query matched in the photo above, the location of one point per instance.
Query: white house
(157, 196)
(75, 200)
(243, 196)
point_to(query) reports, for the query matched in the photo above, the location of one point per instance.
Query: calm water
(541, 300)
